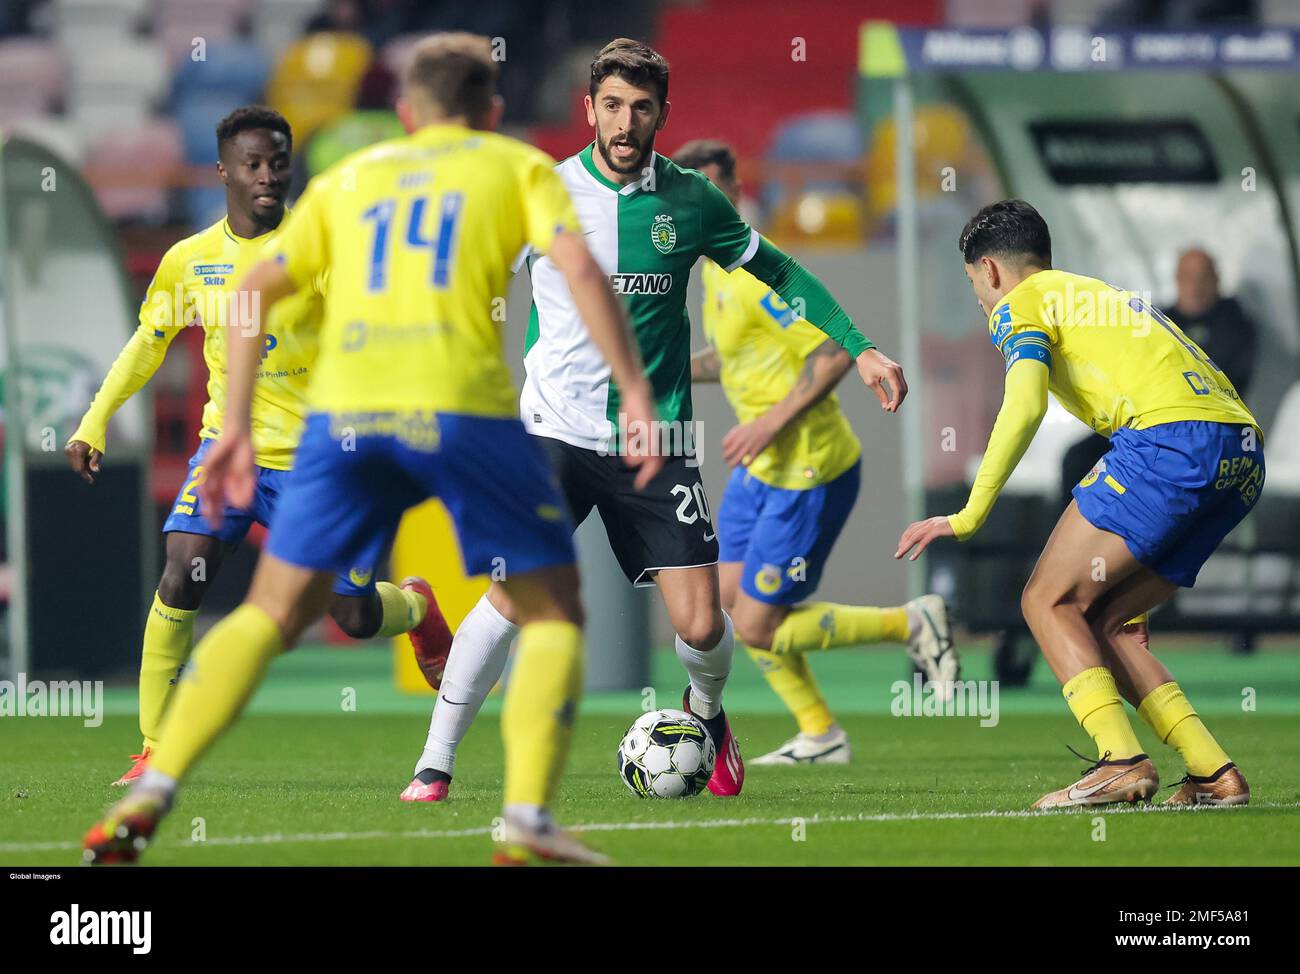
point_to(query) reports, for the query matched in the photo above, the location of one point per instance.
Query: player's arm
(706, 366)
(606, 322)
(1024, 404)
(134, 366)
(822, 370)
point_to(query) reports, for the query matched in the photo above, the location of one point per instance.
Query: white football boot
(930, 646)
(803, 749)
(548, 842)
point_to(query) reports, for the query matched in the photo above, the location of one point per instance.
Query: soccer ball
(666, 754)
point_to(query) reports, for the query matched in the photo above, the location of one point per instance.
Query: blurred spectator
(16, 16)
(371, 121)
(1214, 322)
(344, 15)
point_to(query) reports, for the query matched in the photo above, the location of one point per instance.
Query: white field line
(281, 838)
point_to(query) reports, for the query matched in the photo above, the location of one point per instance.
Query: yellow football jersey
(418, 234)
(194, 287)
(1113, 360)
(762, 346)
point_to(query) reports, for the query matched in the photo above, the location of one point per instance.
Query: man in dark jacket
(1214, 322)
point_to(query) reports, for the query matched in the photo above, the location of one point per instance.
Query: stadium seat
(316, 79)
(204, 92)
(197, 115)
(820, 216)
(57, 134)
(136, 66)
(119, 15)
(31, 68)
(941, 137)
(148, 155)
(18, 105)
(277, 23)
(179, 22)
(235, 68)
(1283, 453)
(815, 137)
(117, 86)
(95, 111)
(95, 28)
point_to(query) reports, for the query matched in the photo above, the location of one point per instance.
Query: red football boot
(126, 829)
(139, 763)
(431, 638)
(420, 791)
(729, 768)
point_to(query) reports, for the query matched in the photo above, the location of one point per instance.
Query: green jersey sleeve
(726, 238)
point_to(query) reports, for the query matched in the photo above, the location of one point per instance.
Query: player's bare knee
(547, 595)
(754, 633)
(703, 632)
(558, 607)
(178, 588)
(499, 600)
(1031, 602)
(568, 605)
(1042, 599)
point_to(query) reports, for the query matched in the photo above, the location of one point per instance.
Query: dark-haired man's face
(255, 168)
(626, 118)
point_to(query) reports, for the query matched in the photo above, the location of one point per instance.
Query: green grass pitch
(304, 781)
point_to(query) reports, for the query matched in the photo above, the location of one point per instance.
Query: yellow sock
(1169, 713)
(227, 667)
(537, 717)
(403, 610)
(824, 625)
(168, 639)
(792, 680)
(1099, 709)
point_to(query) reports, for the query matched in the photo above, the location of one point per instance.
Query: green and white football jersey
(646, 236)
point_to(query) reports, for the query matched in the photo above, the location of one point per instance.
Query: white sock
(532, 817)
(153, 780)
(478, 658)
(709, 669)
